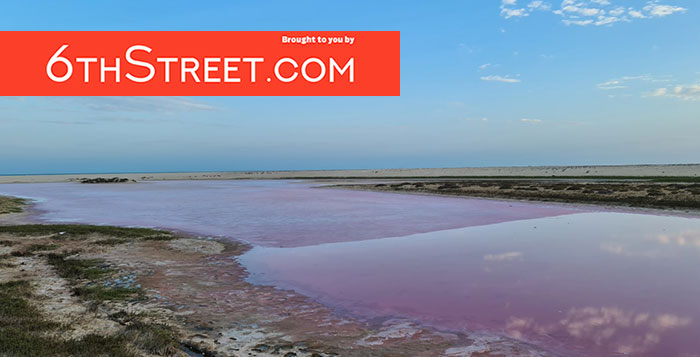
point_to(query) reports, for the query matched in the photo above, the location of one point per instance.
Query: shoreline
(602, 207)
(196, 288)
(535, 191)
(686, 171)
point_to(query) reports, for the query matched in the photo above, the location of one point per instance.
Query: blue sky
(483, 83)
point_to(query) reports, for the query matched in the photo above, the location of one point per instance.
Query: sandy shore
(684, 170)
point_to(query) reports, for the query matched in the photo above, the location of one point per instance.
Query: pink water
(595, 284)
(574, 281)
(268, 213)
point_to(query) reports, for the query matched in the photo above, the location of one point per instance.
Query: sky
(483, 83)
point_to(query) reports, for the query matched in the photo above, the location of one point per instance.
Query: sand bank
(683, 170)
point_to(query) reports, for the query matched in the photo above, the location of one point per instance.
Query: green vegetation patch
(159, 237)
(518, 178)
(78, 269)
(110, 241)
(30, 249)
(66, 231)
(156, 339)
(25, 332)
(152, 338)
(94, 271)
(96, 345)
(650, 193)
(11, 204)
(15, 309)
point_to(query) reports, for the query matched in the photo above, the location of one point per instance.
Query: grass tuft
(25, 332)
(11, 204)
(152, 338)
(93, 270)
(110, 241)
(160, 237)
(30, 249)
(78, 230)
(78, 269)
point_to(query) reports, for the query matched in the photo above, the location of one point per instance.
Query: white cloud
(591, 12)
(637, 14)
(484, 119)
(531, 121)
(484, 66)
(647, 86)
(606, 20)
(661, 92)
(582, 11)
(502, 79)
(577, 22)
(539, 5)
(616, 11)
(624, 82)
(508, 12)
(685, 92)
(659, 10)
(647, 78)
(611, 84)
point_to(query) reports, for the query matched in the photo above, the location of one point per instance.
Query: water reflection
(621, 331)
(503, 257)
(647, 246)
(623, 250)
(689, 238)
(586, 284)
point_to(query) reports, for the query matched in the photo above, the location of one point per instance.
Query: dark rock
(104, 180)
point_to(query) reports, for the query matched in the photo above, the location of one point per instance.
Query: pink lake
(268, 213)
(573, 281)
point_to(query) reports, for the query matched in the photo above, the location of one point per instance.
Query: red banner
(194, 63)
